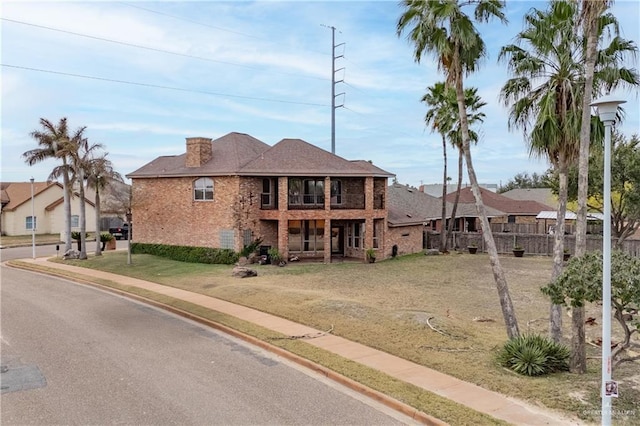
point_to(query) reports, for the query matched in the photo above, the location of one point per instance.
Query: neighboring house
(409, 205)
(298, 198)
(541, 195)
(515, 212)
(16, 216)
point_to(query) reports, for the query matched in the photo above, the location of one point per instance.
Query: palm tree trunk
(555, 318)
(444, 227)
(66, 197)
(508, 312)
(97, 201)
(83, 217)
(578, 359)
(457, 199)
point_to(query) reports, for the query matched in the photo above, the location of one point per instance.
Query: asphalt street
(84, 356)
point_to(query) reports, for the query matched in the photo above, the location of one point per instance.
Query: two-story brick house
(297, 197)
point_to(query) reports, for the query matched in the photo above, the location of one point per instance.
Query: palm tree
(80, 159)
(441, 116)
(99, 173)
(473, 103)
(53, 141)
(441, 27)
(546, 95)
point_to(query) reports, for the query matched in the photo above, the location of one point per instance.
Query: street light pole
(607, 109)
(33, 223)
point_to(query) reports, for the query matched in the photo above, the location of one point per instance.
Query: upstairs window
(75, 221)
(203, 189)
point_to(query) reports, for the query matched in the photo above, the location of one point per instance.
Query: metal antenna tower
(333, 85)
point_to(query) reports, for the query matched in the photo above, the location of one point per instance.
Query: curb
(379, 397)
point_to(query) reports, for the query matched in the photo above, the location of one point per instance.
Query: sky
(143, 76)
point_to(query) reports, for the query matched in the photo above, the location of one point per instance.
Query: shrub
(251, 248)
(75, 235)
(105, 237)
(188, 253)
(274, 255)
(534, 355)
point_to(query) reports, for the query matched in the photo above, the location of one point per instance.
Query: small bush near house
(275, 256)
(187, 253)
(251, 248)
(534, 355)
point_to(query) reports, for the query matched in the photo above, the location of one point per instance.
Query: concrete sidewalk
(492, 403)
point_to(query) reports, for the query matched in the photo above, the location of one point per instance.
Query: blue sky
(262, 68)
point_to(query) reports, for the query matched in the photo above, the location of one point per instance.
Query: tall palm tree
(80, 160)
(99, 173)
(443, 29)
(546, 96)
(441, 116)
(53, 142)
(590, 13)
(473, 103)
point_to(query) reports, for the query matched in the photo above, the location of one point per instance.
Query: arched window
(203, 189)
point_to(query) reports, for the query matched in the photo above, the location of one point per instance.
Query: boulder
(243, 272)
(71, 254)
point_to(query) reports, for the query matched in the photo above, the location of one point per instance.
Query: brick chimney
(198, 151)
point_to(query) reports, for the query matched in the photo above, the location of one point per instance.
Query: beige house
(48, 208)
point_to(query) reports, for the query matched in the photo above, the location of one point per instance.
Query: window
(306, 236)
(203, 189)
(31, 222)
(266, 192)
(336, 192)
(354, 235)
(377, 230)
(75, 221)
(307, 191)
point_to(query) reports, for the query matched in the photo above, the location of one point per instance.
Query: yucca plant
(534, 355)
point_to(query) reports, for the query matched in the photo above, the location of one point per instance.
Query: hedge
(187, 253)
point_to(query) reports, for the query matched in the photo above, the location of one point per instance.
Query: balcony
(268, 201)
(344, 202)
(306, 202)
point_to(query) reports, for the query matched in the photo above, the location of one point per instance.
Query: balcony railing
(306, 201)
(268, 201)
(350, 201)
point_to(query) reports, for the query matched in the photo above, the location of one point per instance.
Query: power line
(154, 49)
(180, 18)
(157, 86)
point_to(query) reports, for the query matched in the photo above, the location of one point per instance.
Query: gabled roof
(408, 206)
(244, 155)
(229, 154)
(541, 195)
(502, 203)
(295, 157)
(14, 194)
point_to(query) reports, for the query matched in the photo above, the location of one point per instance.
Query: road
(84, 356)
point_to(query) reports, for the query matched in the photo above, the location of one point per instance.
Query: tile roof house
(16, 217)
(227, 192)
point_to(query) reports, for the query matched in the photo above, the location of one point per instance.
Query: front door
(337, 240)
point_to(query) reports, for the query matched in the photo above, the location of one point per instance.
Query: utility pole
(333, 85)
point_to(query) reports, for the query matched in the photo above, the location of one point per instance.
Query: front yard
(439, 311)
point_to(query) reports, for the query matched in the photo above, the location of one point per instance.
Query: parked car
(121, 232)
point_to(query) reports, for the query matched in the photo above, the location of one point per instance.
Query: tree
(581, 282)
(546, 95)
(80, 156)
(625, 185)
(443, 29)
(53, 141)
(473, 103)
(100, 173)
(441, 116)
(525, 181)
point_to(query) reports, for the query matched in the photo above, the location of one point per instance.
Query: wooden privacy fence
(532, 243)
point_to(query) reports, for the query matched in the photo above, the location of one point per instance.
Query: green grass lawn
(391, 305)
(18, 240)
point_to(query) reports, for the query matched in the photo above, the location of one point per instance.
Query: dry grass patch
(421, 308)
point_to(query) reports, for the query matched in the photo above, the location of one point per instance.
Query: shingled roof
(502, 203)
(14, 194)
(409, 206)
(244, 155)
(229, 154)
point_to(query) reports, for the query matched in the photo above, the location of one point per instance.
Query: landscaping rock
(432, 252)
(71, 254)
(243, 272)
